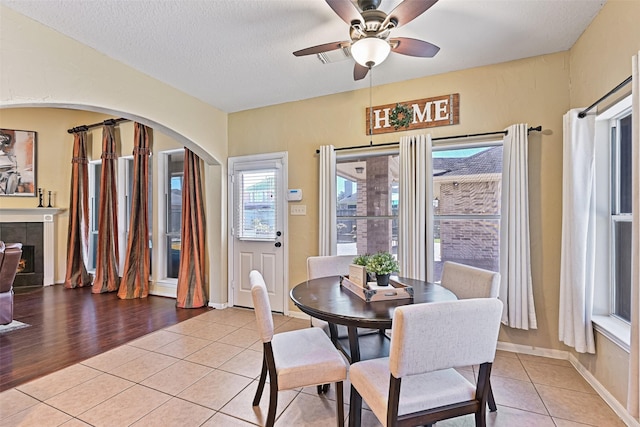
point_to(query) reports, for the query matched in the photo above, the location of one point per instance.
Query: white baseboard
(533, 351)
(219, 305)
(161, 290)
(613, 403)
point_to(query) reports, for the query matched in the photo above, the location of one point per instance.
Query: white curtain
(327, 239)
(516, 291)
(633, 397)
(415, 216)
(578, 245)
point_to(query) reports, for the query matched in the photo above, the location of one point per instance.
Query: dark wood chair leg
(263, 379)
(273, 403)
(355, 408)
(340, 403)
(483, 392)
(491, 401)
(481, 417)
(273, 384)
(323, 388)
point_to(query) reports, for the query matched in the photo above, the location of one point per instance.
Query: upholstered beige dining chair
(471, 282)
(417, 384)
(325, 266)
(299, 358)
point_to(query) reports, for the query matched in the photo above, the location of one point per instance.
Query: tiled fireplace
(35, 229)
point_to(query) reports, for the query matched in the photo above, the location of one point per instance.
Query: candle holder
(40, 197)
(49, 205)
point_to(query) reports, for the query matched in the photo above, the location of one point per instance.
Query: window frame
(94, 186)
(605, 320)
(343, 157)
(462, 145)
(123, 211)
(436, 146)
(163, 203)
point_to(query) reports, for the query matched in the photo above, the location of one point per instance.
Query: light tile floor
(203, 372)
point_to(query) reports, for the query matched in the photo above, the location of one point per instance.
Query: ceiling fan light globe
(370, 51)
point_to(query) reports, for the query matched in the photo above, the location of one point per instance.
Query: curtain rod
(582, 114)
(94, 125)
(442, 138)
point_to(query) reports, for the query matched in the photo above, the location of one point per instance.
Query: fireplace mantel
(46, 217)
(28, 214)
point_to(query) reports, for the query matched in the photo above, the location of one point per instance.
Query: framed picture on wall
(17, 163)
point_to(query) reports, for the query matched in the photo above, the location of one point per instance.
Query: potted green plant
(382, 264)
(361, 260)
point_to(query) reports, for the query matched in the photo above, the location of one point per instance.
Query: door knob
(278, 244)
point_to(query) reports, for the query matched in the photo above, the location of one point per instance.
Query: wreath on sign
(401, 116)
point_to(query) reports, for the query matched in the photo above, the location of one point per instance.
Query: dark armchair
(10, 254)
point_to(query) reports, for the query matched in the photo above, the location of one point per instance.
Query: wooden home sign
(428, 112)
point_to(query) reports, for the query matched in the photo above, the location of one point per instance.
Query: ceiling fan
(370, 33)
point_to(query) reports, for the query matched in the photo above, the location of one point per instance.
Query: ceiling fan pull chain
(370, 107)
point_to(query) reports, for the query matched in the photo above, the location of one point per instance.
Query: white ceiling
(237, 54)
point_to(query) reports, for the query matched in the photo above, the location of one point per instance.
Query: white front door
(257, 217)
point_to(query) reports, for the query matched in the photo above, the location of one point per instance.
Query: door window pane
(257, 204)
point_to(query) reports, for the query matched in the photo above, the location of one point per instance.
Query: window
(173, 177)
(367, 203)
(620, 146)
(612, 292)
(95, 172)
(467, 182)
(125, 194)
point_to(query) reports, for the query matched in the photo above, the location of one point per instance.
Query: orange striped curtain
(107, 278)
(78, 236)
(192, 292)
(135, 278)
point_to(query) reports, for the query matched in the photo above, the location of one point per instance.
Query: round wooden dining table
(326, 299)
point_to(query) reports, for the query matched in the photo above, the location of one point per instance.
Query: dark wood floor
(71, 325)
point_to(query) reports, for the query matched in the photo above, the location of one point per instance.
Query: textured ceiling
(237, 54)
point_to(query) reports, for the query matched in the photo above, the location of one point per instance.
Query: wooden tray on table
(371, 292)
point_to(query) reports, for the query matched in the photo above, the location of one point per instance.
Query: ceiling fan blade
(413, 47)
(320, 48)
(407, 11)
(360, 72)
(345, 10)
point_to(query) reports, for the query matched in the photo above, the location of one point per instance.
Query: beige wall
(54, 150)
(53, 172)
(599, 61)
(536, 90)
(43, 68)
(601, 58)
(533, 90)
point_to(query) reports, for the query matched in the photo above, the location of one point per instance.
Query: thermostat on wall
(295, 194)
